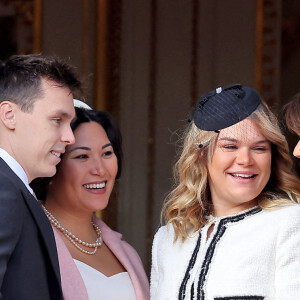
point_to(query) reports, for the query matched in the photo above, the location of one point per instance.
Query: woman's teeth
(95, 185)
(243, 175)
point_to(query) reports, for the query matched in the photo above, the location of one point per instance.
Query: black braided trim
(182, 289)
(240, 298)
(192, 291)
(211, 249)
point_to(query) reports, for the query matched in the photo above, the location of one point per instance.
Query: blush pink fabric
(72, 284)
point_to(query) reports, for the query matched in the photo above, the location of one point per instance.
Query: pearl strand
(72, 238)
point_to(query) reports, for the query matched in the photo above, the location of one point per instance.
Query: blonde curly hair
(188, 204)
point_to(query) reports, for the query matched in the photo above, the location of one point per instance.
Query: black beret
(224, 107)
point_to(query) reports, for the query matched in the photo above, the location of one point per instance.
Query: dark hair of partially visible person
(21, 78)
(292, 114)
(109, 125)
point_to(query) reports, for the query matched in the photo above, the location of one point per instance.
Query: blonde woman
(232, 220)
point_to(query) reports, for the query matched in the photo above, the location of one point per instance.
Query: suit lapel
(45, 228)
(114, 242)
(38, 215)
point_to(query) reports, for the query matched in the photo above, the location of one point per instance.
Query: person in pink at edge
(95, 263)
(292, 119)
(232, 222)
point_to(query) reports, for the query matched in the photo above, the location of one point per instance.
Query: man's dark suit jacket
(28, 258)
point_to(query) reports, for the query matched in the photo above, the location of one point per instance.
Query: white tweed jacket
(252, 255)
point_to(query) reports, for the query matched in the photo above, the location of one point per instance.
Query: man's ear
(8, 114)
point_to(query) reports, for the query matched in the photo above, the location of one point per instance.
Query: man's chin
(49, 172)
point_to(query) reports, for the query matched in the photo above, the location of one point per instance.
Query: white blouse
(99, 286)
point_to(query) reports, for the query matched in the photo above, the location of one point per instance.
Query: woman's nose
(244, 157)
(98, 168)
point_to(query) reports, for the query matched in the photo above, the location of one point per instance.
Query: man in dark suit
(36, 108)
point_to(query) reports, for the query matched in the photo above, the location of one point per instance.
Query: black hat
(225, 107)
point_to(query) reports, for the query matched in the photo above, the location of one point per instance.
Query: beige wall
(66, 33)
(159, 39)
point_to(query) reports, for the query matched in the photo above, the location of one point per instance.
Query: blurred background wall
(147, 62)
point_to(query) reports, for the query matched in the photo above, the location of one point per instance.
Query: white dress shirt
(16, 168)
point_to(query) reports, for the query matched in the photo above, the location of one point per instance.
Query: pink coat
(72, 284)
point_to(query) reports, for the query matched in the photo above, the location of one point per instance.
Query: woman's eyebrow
(88, 148)
(228, 139)
(106, 145)
(262, 141)
(80, 148)
(236, 141)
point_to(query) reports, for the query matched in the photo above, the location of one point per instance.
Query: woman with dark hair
(232, 221)
(95, 263)
(292, 119)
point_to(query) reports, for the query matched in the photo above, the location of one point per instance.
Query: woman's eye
(229, 147)
(108, 153)
(81, 156)
(260, 149)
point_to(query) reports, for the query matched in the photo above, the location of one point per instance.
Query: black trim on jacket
(208, 258)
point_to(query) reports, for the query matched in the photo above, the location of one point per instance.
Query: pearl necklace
(73, 238)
